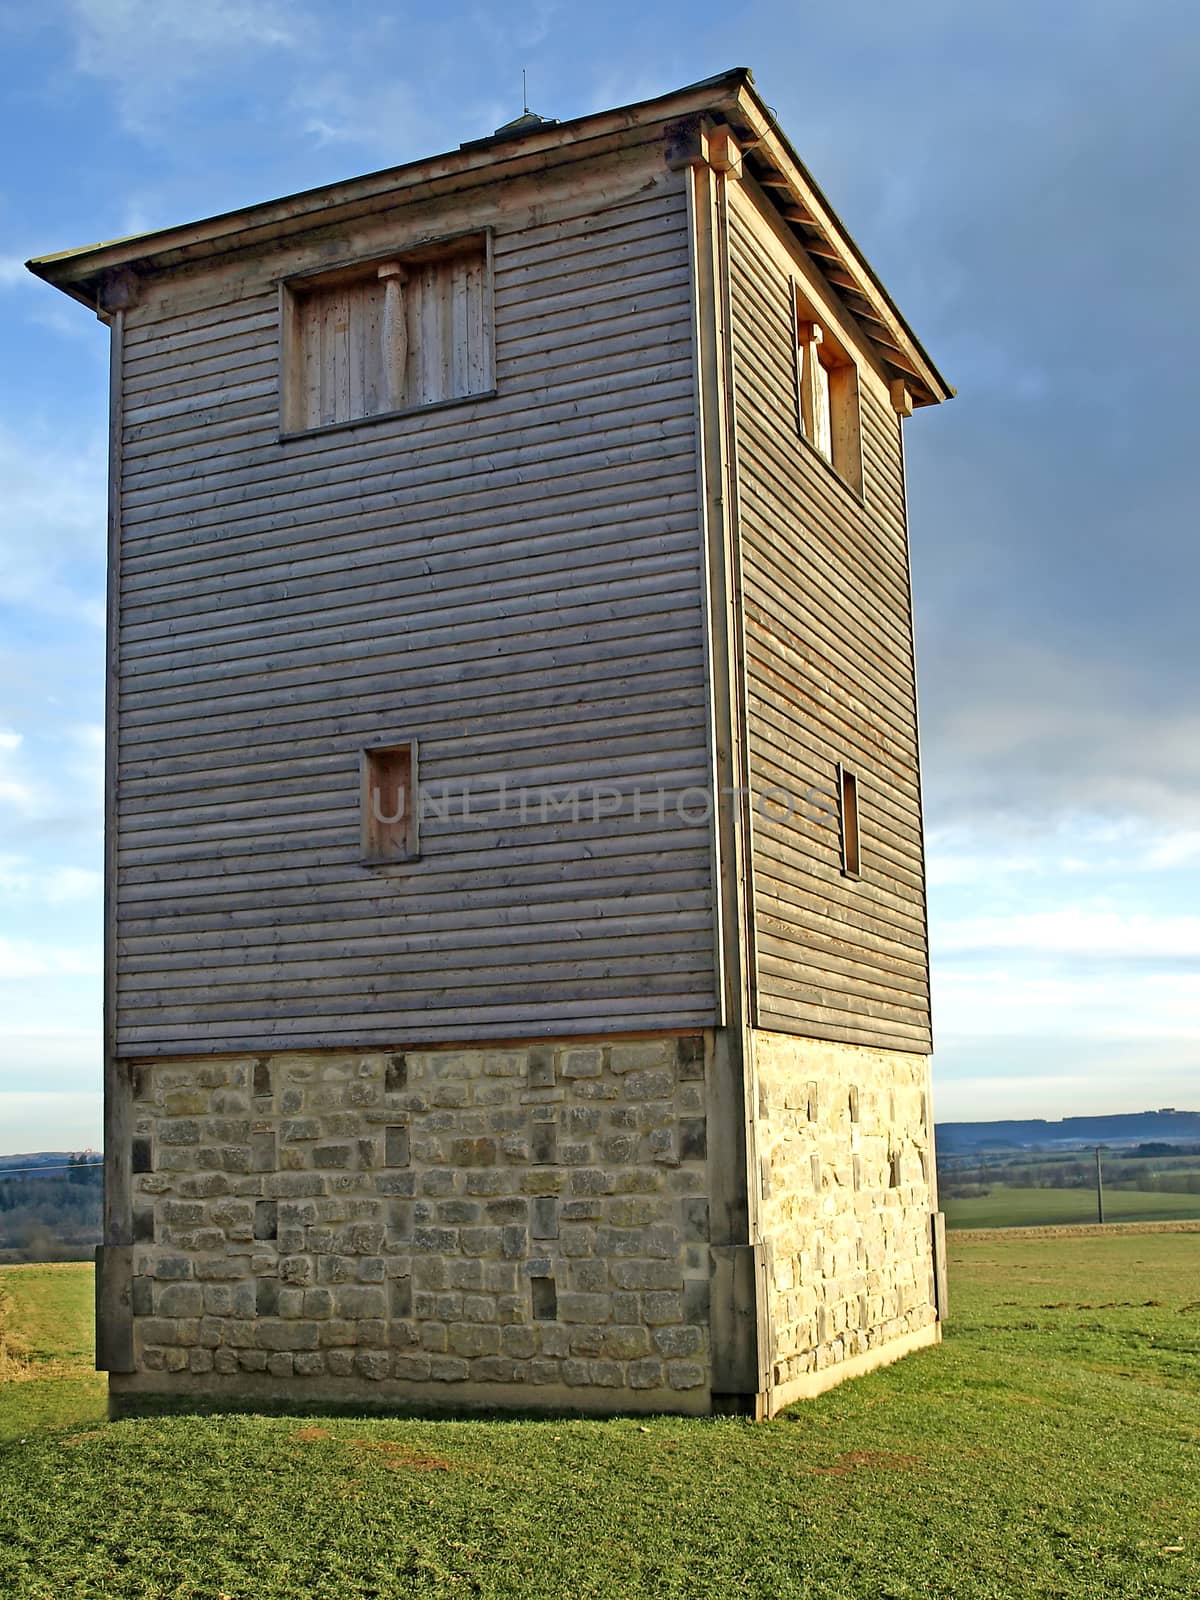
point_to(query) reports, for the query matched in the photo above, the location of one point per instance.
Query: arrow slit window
(827, 408)
(387, 336)
(389, 805)
(848, 822)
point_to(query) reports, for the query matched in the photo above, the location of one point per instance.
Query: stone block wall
(848, 1187)
(528, 1225)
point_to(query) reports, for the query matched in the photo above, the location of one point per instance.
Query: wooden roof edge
(83, 273)
(78, 272)
(769, 141)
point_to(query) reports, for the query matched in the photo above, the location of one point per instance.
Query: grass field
(1049, 1448)
(1023, 1208)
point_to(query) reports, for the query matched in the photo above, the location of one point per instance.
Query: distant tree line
(1151, 1168)
(52, 1215)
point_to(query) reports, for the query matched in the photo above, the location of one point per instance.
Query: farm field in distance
(1004, 1207)
(1016, 1188)
(1048, 1448)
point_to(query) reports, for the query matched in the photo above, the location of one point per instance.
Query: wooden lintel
(795, 213)
(822, 247)
(773, 180)
(902, 400)
(842, 279)
(685, 144)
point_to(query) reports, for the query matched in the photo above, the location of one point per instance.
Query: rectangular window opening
(827, 406)
(387, 336)
(389, 805)
(848, 822)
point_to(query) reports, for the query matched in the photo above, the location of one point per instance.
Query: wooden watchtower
(517, 976)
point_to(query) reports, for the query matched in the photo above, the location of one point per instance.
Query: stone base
(810, 1384)
(127, 1396)
(845, 1143)
(522, 1227)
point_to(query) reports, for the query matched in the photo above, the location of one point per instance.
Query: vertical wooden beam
(901, 396)
(937, 1219)
(760, 1365)
(941, 1292)
(114, 1310)
(708, 505)
(743, 798)
(740, 1347)
(395, 332)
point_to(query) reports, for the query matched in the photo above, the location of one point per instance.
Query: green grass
(1049, 1448)
(1022, 1208)
(46, 1333)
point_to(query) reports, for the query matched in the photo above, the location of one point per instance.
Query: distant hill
(1135, 1127)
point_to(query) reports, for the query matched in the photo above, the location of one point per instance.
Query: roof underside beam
(777, 170)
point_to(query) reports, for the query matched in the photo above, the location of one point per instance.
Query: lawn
(1021, 1208)
(1049, 1448)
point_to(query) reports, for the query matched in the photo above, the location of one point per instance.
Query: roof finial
(528, 120)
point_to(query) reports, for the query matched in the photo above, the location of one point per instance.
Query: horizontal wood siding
(514, 582)
(829, 679)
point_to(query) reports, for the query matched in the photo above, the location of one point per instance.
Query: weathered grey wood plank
(829, 680)
(419, 575)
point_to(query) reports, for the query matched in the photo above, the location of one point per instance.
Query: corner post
(739, 1324)
(114, 1258)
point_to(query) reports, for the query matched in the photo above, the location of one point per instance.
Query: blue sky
(1021, 176)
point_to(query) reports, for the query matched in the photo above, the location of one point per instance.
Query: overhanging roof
(730, 98)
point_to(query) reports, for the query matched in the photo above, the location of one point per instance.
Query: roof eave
(79, 272)
(864, 294)
(731, 95)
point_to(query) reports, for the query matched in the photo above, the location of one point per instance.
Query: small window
(848, 822)
(387, 336)
(827, 412)
(389, 804)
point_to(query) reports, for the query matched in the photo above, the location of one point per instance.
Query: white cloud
(1172, 850)
(23, 879)
(1018, 1075)
(1074, 931)
(51, 817)
(24, 959)
(998, 1002)
(17, 792)
(52, 525)
(339, 108)
(85, 759)
(150, 49)
(55, 1120)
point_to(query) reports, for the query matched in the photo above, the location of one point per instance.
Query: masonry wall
(846, 1153)
(525, 1225)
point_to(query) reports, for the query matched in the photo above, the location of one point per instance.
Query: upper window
(388, 335)
(826, 395)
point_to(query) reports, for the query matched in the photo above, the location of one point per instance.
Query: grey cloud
(1025, 193)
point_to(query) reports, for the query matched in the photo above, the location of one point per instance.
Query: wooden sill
(857, 495)
(288, 434)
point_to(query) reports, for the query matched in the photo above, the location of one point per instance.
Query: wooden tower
(517, 975)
